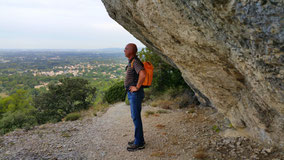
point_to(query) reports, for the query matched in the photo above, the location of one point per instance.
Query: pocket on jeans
(135, 92)
(129, 95)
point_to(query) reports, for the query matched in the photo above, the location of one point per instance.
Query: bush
(126, 100)
(72, 116)
(69, 95)
(20, 100)
(18, 119)
(16, 111)
(115, 93)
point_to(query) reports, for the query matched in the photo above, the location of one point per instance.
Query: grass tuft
(65, 134)
(72, 116)
(100, 107)
(165, 104)
(162, 111)
(216, 128)
(148, 113)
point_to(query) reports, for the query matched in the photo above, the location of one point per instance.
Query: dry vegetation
(200, 153)
(172, 99)
(99, 109)
(160, 126)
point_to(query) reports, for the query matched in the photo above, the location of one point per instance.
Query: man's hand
(142, 75)
(133, 89)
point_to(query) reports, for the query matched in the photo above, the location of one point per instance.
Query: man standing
(135, 76)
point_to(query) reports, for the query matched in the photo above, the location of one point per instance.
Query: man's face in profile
(128, 51)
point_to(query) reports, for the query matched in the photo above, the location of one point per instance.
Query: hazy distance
(64, 24)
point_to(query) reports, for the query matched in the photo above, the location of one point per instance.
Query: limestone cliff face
(230, 51)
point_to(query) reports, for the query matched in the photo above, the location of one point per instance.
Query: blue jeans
(135, 100)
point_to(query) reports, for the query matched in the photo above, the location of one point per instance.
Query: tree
(69, 95)
(18, 101)
(16, 111)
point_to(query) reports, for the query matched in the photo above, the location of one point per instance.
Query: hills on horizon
(94, 51)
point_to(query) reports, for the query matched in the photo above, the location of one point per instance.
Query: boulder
(230, 52)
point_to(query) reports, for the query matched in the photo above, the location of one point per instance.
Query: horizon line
(62, 48)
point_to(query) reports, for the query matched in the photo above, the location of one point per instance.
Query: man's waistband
(127, 88)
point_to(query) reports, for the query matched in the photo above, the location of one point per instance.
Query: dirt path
(190, 133)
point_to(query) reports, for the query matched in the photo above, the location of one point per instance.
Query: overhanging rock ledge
(231, 51)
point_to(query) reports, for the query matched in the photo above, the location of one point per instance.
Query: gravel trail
(188, 133)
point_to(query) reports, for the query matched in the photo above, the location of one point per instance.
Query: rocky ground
(189, 133)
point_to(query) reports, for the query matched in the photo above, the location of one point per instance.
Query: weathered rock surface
(230, 51)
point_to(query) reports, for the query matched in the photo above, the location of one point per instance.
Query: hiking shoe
(132, 142)
(135, 147)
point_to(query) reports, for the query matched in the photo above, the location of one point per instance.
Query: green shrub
(69, 95)
(115, 93)
(147, 113)
(126, 100)
(19, 119)
(16, 111)
(20, 100)
(72, 116)
(216, 128)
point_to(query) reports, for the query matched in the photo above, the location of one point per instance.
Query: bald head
(133, 47)
(130, 50)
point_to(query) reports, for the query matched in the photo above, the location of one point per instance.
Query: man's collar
(130, 60)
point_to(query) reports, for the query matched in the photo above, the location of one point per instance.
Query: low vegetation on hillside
(21, 111)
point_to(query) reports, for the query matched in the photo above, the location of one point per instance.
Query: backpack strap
(132, 62)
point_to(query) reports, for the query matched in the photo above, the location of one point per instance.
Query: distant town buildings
(114, 70)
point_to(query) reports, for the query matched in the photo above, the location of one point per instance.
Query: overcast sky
(59, 24)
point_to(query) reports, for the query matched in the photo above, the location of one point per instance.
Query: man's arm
(142, 75)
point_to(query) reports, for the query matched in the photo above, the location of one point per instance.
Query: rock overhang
(229, 52)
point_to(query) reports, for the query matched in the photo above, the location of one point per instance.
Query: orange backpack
(149, 68)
